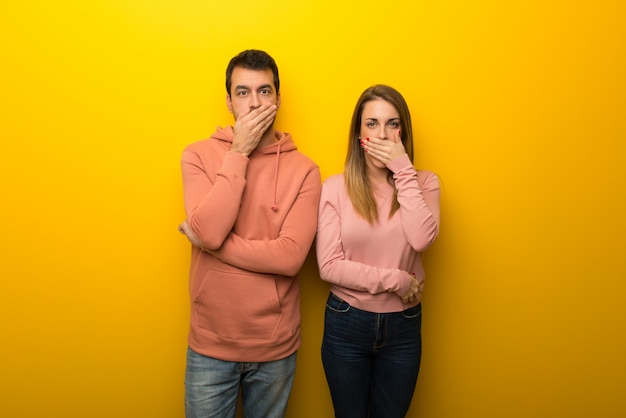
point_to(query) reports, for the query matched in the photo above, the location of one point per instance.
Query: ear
(278, 101)
(229, 103)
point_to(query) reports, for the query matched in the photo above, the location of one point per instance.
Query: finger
(249, 115)
(262, 121)
(263, 112)
(263, 125)
(374, 146)
(269, 114)
(256, 121)
(378, 142)
(244, 114)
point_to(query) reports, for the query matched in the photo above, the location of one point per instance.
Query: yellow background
(520, 107)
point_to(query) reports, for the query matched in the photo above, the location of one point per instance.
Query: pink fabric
(367, 265)
(256, 218)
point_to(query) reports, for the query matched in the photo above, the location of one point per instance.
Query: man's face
(250, 89)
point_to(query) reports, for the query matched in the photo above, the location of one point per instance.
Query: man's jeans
(212, 387)
(371, 360)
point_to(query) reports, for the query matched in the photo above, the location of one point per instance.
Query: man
(251, 202)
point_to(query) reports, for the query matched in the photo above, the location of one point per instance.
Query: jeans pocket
(336, 304)
(413, 312)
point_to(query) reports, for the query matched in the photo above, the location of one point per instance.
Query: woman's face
(379, 119)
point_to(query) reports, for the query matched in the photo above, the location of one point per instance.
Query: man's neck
(269, 137)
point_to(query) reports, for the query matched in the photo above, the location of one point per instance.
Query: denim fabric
(371, 360)
(212, 387)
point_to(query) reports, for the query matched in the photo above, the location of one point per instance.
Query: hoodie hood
(283, 143)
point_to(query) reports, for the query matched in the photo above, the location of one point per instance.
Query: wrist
(238, 150)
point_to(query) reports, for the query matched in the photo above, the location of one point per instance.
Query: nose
(382, 132)
(255, 101)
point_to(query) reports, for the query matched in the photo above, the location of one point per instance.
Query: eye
(370, 124)
(394, 123)
(242, 93)
(266, 92)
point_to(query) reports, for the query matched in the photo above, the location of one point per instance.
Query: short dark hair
(252, 59)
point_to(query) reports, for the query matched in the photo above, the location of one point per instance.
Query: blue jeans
(212, 387)
(371, 360)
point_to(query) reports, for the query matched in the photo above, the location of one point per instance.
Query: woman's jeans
(212, 387)
(371, 360)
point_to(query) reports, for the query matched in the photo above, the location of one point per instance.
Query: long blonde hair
(355, 171)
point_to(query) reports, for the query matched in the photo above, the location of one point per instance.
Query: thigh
(211, 387)
(397, 365)
(266, 387)
(346, 355)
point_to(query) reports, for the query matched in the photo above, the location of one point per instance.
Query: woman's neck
(377, 176)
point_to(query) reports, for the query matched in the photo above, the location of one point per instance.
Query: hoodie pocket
(238, 306)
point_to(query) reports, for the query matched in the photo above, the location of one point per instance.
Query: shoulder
(202, 145)
(334, 188)
(290, 152)
(297, 168)
(426, 174)
(206, 149)
(301, 160)
(427, 179)
(333, 192)
(335, 181)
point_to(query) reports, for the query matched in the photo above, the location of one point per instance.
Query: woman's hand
(415, 289)
(384, 150)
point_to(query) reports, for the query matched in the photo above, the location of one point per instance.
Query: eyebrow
(376, 119)
(264, 86)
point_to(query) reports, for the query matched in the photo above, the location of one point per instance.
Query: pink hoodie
(245, 303)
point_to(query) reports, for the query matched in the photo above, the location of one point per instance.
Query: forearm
(419, 207)
(212, 205)
(285, 253)
(362, 277)
(283, 256)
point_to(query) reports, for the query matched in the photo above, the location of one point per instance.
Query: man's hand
(191, 236)
(250, 127)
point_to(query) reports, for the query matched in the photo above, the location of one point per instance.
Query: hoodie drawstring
(274, 207)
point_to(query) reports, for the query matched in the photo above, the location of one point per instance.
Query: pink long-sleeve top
(366, 264)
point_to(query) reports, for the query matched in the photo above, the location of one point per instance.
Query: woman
(375, 221)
